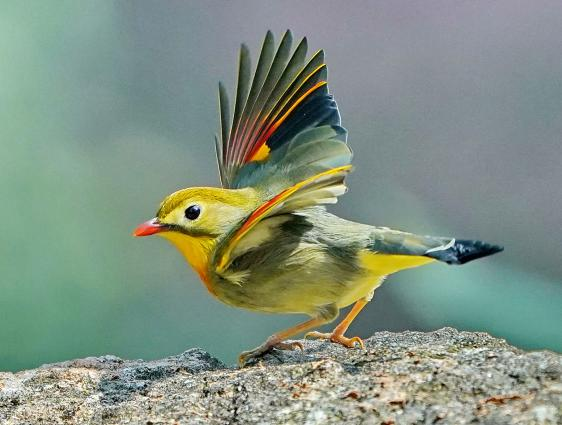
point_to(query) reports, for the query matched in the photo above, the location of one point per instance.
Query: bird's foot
(337, 338)
(265, 348)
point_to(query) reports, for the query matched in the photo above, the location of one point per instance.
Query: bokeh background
(454, 111)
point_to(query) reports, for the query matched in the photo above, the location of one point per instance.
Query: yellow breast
(196, 250)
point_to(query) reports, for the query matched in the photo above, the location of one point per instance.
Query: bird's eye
(192, 212)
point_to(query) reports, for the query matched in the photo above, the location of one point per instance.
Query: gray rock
(442, 377)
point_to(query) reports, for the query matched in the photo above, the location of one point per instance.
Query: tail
(462, 251)
(448, 250)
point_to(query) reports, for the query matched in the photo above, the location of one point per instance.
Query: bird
(264, 240)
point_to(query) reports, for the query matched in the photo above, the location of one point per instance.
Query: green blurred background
(454, 111)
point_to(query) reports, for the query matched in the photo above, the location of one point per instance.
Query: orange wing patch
(261, 154)
(275, 125)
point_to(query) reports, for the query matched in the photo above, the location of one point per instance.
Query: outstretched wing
(285, 138)
(286, 98)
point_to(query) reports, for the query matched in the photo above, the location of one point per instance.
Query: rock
(443, 377)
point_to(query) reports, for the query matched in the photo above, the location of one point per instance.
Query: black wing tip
(464, 251)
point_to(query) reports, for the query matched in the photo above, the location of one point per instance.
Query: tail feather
(463, 251)
(448, 250)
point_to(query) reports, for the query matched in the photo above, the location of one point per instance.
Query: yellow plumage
(196, 250)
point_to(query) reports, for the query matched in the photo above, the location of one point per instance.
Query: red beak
(148, 228)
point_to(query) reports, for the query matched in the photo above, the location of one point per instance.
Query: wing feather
(286, 96)
(224, 110)
(275, 71)
(262, 68)
(242, 95)
(285, 140)
(280, 203)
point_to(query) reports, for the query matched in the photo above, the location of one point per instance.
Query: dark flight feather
(286, 96)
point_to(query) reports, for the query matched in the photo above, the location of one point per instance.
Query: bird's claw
(265, 348)
(338, 339)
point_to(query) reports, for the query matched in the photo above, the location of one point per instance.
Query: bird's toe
(246, 356)
(338, 339)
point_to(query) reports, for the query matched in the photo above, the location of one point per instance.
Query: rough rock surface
(443, 377)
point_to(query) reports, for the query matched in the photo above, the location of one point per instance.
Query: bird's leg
(337, 333)
(276, 340)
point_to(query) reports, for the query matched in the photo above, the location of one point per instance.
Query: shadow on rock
(117, 386)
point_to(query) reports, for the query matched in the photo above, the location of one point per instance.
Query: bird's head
(194, 219)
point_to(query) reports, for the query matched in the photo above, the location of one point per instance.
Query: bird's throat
(196, 250)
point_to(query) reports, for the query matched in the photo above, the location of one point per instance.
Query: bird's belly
(305, 291)
(283, 294)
